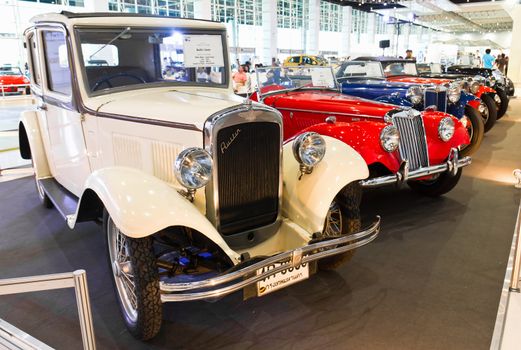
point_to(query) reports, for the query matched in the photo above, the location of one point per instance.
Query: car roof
(123, 19)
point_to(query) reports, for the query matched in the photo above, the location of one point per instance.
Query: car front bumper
(452, 165)
(248, 273)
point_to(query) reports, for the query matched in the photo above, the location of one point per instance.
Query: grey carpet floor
(432, 280)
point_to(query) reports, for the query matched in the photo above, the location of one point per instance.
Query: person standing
(501, 62)
(408, 55)
(506, 65)
(488, 59)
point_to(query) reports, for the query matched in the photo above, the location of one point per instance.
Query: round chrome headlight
(454, 92)
(498, 76)
(446, 129)
(309, 148)
(389, 138)
(414, 93)
(474, 87)
(193, 168)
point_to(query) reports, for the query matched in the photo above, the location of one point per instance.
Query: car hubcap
(483, 109)
(333, 226)
(122, 270)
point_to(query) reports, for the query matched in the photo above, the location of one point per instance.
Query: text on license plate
(281, 279)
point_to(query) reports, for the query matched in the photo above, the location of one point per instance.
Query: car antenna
(123, 32)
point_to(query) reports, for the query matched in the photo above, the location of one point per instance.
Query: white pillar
(203, 9)
(371, 30)
(97, 5)
(314, 27)
(514, 60)
(347, 23)
(269, 30)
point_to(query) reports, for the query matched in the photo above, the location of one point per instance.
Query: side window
(57, 63)
(295, 59)
(307, 60)
(33, 58)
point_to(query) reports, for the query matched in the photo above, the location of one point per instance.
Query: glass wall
(330, 17)
(171, 8)
(244, 11)
(78, 3)
(291, 13)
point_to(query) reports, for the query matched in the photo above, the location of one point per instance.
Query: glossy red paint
(484, 90)
(358, 123)
(7, 80)
(474, 104)
(417, 80)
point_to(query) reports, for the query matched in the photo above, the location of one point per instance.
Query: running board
(63, 200)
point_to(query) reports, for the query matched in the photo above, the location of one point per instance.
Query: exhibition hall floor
(432, 280)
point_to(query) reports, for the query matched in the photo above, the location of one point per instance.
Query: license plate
(281, 279)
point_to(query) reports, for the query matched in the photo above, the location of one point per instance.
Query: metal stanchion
(76, 280)
(82, 299)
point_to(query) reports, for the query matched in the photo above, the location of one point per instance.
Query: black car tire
(139, 255)
(478, 131)
(436, 187)
(492, 112)
(348, 201)
(502, 109)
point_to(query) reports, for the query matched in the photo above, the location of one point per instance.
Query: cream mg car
(138, 127)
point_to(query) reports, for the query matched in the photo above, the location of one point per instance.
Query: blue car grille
(413, 145)
(436, 98)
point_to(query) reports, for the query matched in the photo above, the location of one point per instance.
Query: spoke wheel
(136, 280)
(488, 111)
(343, 217)
(122, 270)
(475, 128)
(483, 109)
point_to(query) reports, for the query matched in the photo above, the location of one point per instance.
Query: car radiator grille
(413, 146)
(248, 175)
(436, 98)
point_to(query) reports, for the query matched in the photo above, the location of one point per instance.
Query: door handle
(41, 106)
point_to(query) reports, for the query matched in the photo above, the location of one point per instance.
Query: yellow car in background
(304, 60)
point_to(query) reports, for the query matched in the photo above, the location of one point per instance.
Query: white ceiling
(482, 17)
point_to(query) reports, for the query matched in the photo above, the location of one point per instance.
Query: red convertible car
(399, 145)
(405, 71)
(12, 81)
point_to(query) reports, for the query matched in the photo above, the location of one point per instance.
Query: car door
(60, 118)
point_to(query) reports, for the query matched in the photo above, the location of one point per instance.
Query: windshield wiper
(123, 32)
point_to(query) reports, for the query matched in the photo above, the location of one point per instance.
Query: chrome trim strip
(451, 166)
(331, 113)
(247, 275)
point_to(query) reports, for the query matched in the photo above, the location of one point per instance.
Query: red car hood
(329, 102)
(13, 79)
(417, 80)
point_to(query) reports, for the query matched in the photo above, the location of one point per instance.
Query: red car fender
(484, 90)
(438, 149)
(474, 103)
(363, 137)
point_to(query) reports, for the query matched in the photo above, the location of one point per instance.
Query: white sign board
(322, 77)
(203, 51)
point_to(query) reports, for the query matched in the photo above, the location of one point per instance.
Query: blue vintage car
(366, 79)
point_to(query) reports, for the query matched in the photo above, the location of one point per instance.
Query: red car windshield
(10, 71)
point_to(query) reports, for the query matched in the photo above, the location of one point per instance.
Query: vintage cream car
(137, 126)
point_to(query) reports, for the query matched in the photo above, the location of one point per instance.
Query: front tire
(475, 129)
(436, 187)
(343, 218)
(488, 111)
(136, 280)
(501, 100)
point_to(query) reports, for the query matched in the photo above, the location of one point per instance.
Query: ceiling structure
(454, 16)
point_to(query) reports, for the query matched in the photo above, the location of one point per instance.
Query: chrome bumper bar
(238, 279)
(452, 165)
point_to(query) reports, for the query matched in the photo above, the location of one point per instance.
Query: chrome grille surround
(436, 96)
(241, 114)
(413, 141)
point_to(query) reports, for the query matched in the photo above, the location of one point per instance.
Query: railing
(5, 93)
(76, 280)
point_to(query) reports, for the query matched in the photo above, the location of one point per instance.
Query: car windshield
(360, 69)
(10, 71)
(436, 68)
(276, 78)
(399, 68)
(128, 58)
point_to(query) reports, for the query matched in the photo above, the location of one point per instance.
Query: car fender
(31, 143)
(483, 89)
(364, 137)
(395, 100)
(458, 109)
(141, 205)
(306, 200)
